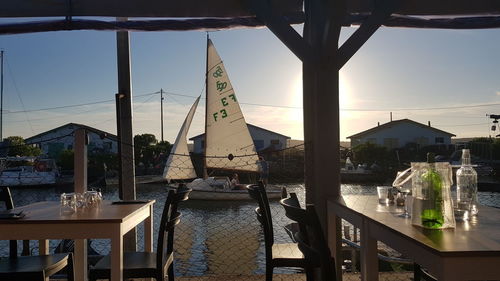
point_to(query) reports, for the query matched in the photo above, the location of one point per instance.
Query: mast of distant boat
(205, 173)
(1, 96)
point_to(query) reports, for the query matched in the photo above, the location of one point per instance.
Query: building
(54, 141)
(263, 139)
(398, 133)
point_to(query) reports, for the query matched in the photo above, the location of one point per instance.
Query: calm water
(214, 237)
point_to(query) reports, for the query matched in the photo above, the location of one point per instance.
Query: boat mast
(161, 113)
(1, 96)
(205, 173)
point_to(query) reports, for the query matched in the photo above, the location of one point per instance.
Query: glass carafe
(432, 204)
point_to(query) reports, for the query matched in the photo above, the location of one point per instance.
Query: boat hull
(229, 195)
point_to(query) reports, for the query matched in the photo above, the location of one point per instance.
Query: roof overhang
(139, 8)
(430, 7)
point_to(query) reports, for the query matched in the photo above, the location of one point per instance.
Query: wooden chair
(310, 238)
(277, 255)
(145, 264)
(30, 267)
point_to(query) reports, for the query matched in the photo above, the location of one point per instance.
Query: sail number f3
(224, 102)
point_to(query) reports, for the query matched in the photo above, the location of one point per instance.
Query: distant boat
(228, 143)
(27, 171)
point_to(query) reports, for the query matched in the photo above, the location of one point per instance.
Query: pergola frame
(318, 49)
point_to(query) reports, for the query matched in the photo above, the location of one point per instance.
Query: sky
(448, 77)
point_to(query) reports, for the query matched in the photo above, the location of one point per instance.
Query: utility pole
(1, 96)
(161, 105)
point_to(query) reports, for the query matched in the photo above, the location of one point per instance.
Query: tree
(370, 153)
(17, 147)
(143, 148)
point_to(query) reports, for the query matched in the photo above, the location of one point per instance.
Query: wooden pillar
(80, 182)
(125, 133)
(80, 160)
(321, 115)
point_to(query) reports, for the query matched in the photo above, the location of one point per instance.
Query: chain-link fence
(223, 237)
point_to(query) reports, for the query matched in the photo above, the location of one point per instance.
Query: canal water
(214, 237)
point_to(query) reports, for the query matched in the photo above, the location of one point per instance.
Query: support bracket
(382, 11)
(279, 26)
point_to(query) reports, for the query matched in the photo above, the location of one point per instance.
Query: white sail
(179, 165)
(228, 141)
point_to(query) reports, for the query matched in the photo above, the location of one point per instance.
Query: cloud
(498, 93)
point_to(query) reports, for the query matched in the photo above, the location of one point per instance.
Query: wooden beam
(365, 31)
(280, 27)
(137, 8)
(126, 135)
(431, 7)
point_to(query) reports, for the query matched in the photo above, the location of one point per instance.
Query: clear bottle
(467, 185)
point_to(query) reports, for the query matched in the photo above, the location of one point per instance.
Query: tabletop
(49, 212)
(479, 237)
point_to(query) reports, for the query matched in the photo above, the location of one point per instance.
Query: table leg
(43, 247)
(369, 259)
(148, 231)
(80, 260)
(117, 256)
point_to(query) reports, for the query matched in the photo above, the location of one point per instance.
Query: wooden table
(44, 221)
(471, 251)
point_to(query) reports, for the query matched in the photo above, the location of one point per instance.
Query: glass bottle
(432, 215)
(467, 185)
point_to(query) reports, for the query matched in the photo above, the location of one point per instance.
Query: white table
(44, 221)
(471, 251)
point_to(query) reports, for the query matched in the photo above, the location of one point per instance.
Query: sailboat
(228, 144)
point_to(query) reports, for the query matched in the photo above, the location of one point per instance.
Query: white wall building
(398, 133)
(262, 139)
(54, 141)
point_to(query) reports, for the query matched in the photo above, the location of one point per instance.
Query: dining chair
(39, 267)
(277, 255)
(147, 264)
(310, 238)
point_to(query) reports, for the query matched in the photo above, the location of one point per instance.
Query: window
(391, 143)
(422, 141)
(439, 140)
(275, 141)
(259, 144)
(371, 140)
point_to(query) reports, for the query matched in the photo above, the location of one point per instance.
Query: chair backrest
(169, 219)
(6, 197)
(263, 212)
(310, 237)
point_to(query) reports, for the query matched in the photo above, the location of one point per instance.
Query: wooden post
(80, 181)
(321, 115)
(127, 171)
(80, 160)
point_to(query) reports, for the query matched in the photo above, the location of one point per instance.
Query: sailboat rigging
(228, 144)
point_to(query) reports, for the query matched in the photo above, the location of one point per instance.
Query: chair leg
(269, 272)
(70, 268)
(416, 272)
(309, 274)
(171, 272)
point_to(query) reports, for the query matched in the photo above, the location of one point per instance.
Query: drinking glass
(403, 184)
(383, 192)
(68, 203)
(80, 200)
(92, 198)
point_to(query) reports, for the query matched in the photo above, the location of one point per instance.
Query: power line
(75, 105)
(19, 96)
